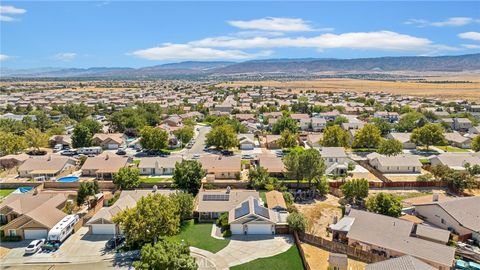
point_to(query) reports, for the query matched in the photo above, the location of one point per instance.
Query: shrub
(297, 222)
(227, 233)
(15, 238)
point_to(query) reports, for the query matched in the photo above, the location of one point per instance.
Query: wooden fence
(397, 184)
(306, 266)
(337, 247)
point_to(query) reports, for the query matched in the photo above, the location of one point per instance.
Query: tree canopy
(152, 138)
(476, 143)
(184, 134)
(36, 139)
(355, 189)
(367, 137)
(222, 137)
(390, 147)
(409, 121)
(11, 143)
(308, 165)
(430, 134)
(81, 137)
(385, 204)
(335, 136)
(166, 254)
(297, 222)
(284, 122)
(188, 175)
(287, 139)
(127, 178)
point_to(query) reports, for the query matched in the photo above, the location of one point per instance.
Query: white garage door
(259, 229)
(35, 234)
(112, 146)
(103, 229)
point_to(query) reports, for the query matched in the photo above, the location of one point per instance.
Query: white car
(34, 246)
(196, 156)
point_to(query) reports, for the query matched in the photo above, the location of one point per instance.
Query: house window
(443, 221)
(12, 232)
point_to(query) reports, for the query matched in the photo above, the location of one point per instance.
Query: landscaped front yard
(451, 149)
(199, 235)
(290, 259)
(154, 179)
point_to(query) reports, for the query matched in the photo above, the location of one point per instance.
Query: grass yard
(290, 259)
(263, 196)
(155, 179)
(198, 235)
(136, 162)
(5, 192)
(451, 149)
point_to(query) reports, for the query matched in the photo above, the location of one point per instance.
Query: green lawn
(451, 149)
(136, 162)
(5, 192)
(198, 235)
(155, 179)
(262, 196)
(290, 259)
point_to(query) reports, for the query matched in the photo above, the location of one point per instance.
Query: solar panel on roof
(243, 210)
(216, 197)
(261, 211)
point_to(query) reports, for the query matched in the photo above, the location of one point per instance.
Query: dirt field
(452, 91)
(317, 258)
(320, 214)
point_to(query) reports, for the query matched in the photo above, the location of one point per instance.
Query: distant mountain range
(308, 66)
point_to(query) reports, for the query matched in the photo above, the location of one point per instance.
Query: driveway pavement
(246, 248)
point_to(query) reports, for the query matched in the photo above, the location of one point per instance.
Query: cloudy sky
(135, 34)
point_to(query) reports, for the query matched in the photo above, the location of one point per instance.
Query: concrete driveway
(246, 248)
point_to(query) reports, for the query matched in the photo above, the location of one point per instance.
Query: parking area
(79, 247)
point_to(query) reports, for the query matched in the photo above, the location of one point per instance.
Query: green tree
(127, 178)
(430, 134)
(188, 175)
(258, 177)
(308, 165)
(390, 147)
(85, 190)
(284, 122)
(385, 204)
(287, 139)
(476, 143)
(424, 177)
(367, 137)
(409, 121)
(355, 190)
(152, 138)
(184, 202)
(36, 139)
(440, 171)
(154, 216)
(81, 137)
(92, 125)
(11, 143)
(184, 134)
(166, 254)
(322, 186)
(383, 125)
(222, 137)
(460, 180)
(297, 222)
(335, 136)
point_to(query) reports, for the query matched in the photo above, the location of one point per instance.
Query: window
(12, 232)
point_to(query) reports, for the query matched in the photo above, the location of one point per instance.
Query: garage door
(259, 229)
(103, 229)
(35, 234)
(112, 146)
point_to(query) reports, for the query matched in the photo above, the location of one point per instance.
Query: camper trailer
(90, 150)
(62, 229)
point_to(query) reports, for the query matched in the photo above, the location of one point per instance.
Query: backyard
(5, 192)
(155, 179)
(199, 235)
(451, 149)
(290, 259)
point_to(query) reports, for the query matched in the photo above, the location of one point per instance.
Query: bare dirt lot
(459, 88)
(317, 259)
(320, 214)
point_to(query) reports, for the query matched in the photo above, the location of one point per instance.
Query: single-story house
(318, 124)
(460, 215)
(158, 165)
(109, 141)
(101, 222)
(30, 215)
(10, 161)
(395, 164)
(271, 141)
(246, 141)
(209, 204)
(455, 161)
(65, 140)
(457, 140)
(273, 164)
(404, 262)
(275, 201)
(45, 166)
(404, 138)
(221, 167)
(251, 217)
(313, 139)
(462, 124)
(103, 166)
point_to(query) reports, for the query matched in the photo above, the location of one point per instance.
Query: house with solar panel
(210, 204)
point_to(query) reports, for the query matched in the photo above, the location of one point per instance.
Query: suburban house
(313, 140)
(389, 116)
(457, 140)
(406, 262)
(64, 140)
(158, 165)
(392, 237)
(10, 161)
(275, 201)
(462, 124)
(45, 167)
(246, 141)
(455, 161)
(318, 124)
(271, 141)
(336, 160)
(273, 164)
(101, 222)
(209, 204)
(395, 164)
(220, 167)
(459, 215)
(251, 217)
(103, 166)
(404, 138)
(245, 117)
(30, 215)
(109, 141)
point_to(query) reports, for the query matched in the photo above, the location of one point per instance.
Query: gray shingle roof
(406, 262)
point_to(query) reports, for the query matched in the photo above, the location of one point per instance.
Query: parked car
(34, 246)
(57, 148)
(196, 156)
(121, 152)
(69, 153)
(247, 156)
(115, 241)
(227, 152)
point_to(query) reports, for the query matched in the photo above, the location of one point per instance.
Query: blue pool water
(68, 179)
(23, 189)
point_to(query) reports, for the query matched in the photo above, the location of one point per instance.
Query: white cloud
(471, 46)
(4, 18)
(453, 21)
(274, 24)
(470, 35)
(11, 10)
(4, 57)
(381, 40)
(188, 52)
(66, 57)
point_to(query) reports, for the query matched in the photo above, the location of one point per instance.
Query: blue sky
(136, 34)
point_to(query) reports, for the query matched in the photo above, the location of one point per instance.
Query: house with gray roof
(406, 262)
(336, 160)
(455, 161)
(395, 164)
(209, 204)
(251, 217)
(404, 138)
(158, 165)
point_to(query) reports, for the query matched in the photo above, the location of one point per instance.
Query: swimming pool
(68, 179)
(23, 190)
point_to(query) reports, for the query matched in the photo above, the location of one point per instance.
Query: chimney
(435, 197)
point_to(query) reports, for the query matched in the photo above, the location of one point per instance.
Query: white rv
(90, 150)
(62, 229)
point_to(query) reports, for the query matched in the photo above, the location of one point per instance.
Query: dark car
(227, 153)
(121, 152)
(115, 242)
